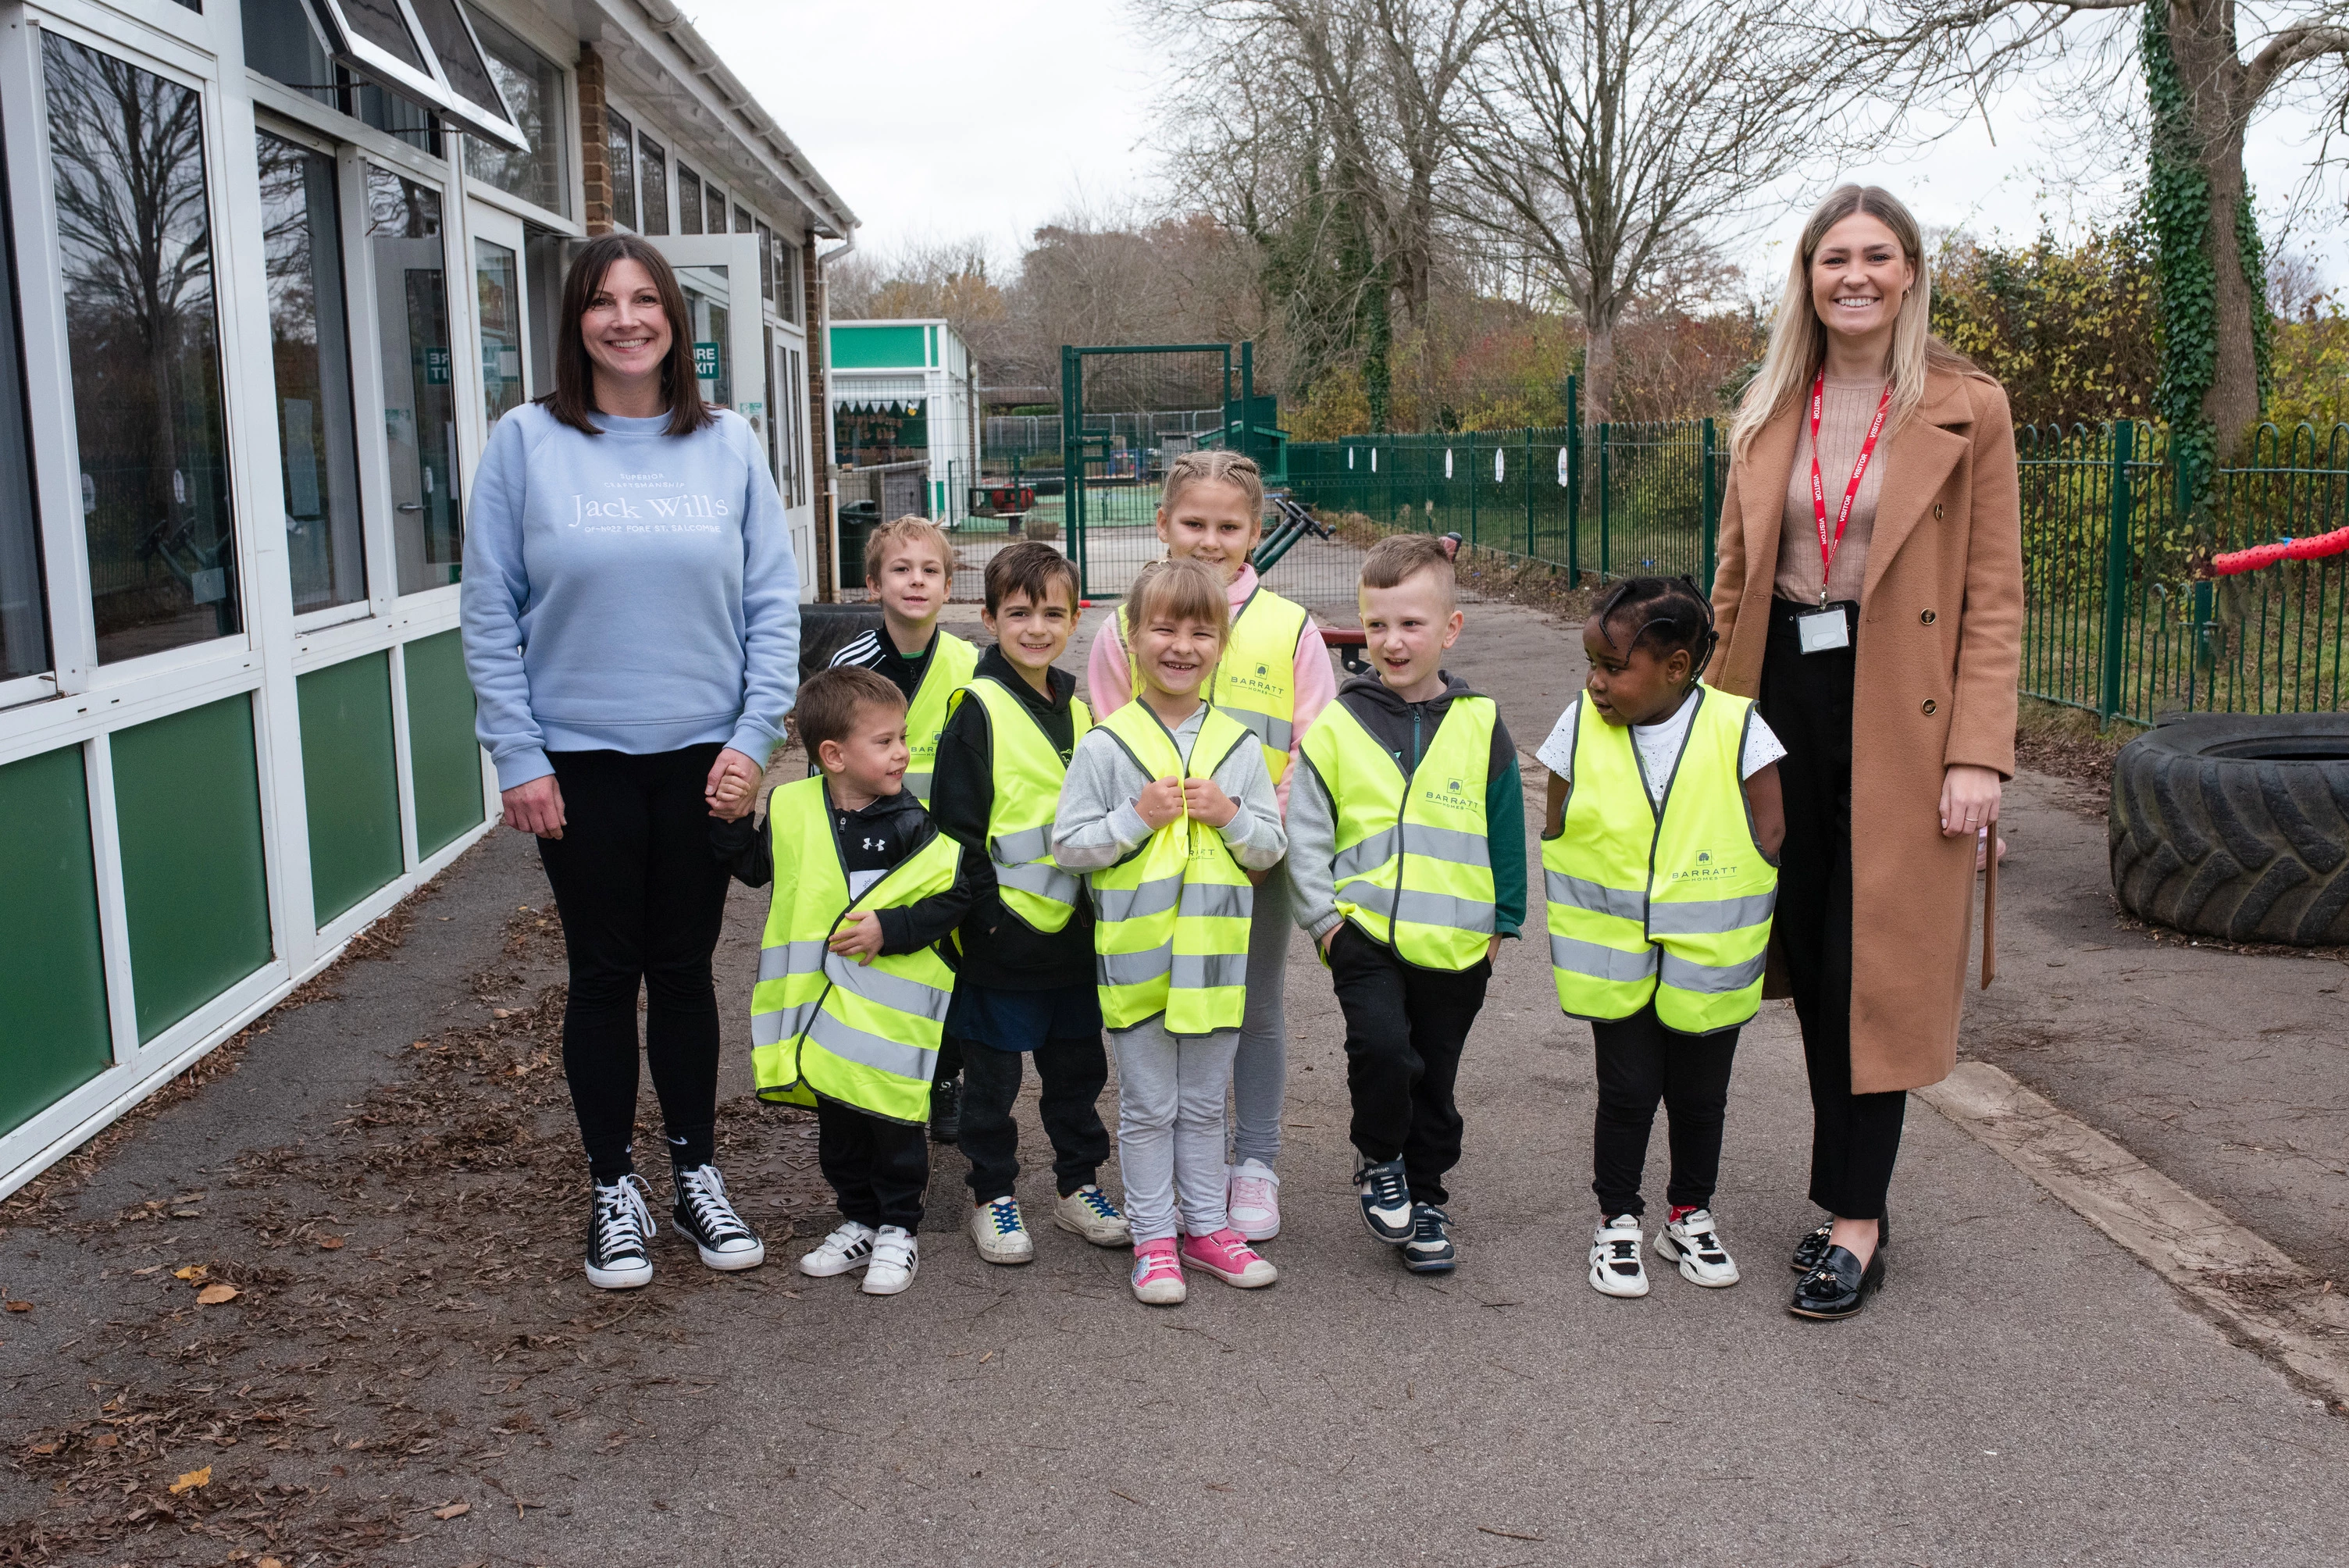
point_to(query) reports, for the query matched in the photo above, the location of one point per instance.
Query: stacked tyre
(2237, 826)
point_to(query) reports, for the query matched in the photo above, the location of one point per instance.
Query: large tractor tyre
(2237, 826)
(825, 629)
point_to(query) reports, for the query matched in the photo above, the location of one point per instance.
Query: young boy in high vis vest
(853, 976)
(1407, 852)
(1275, 678)
(1025, 979)
(1659, 853)
(1167, 808)
(909, 567)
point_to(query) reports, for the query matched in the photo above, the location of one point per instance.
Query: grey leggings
(1170, 1128)
(1260, 1071)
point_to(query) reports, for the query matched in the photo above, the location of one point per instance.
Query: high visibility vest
(1672, 903)
(1412, 866)
(951, 663)
(863, 1034)
(1256, 680)
(1028, 773)
(1170, 930)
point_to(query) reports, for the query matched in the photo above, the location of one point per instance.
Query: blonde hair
(905, 531)
(1799, 338)
(1204, 464)
(1180, 591)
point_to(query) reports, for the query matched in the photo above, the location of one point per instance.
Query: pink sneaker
(1158, 1275)
(1228, 1257)
(1253, 1201)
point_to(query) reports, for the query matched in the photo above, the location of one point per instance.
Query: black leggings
(642, 899)
(1639, 1062)
(1807, 703)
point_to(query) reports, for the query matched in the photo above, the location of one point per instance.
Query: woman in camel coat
(1874, 610)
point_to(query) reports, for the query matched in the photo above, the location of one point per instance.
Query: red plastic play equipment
(2314, 548)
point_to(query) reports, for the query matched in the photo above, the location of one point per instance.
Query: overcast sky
(940, 119)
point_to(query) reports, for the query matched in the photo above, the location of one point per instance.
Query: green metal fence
(2121, 616)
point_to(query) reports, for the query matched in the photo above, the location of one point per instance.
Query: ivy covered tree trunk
(2213, 267)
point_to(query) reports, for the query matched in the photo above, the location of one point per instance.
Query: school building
(275, 267)
(904, 392)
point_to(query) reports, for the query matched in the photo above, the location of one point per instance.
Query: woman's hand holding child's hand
(859, 939)
(1160, 802)
(1206, 799)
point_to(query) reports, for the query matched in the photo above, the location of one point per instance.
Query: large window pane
(134, 237)
(282, 41)
(411, 299)
(24, 618)
(309, 336)
(500, 290)
(653, 166)
(532, 89)
(688, 201)
(619, 151)
(381, 23)
(541, 260)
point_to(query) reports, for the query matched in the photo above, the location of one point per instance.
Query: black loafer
(946, 1111)
(1838, 1287)
(1813, 1245)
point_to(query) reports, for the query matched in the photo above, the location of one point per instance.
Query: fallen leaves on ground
(454, 1511)
(215, 1295)
(192, 1480)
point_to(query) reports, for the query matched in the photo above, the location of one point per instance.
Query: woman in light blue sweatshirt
(631, 620)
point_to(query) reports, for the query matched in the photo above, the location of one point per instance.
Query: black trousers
(877, 1168)
(1073, 1073)
(1641, 1061)
(642, 901)
(1406, 1026)
(1807, 702)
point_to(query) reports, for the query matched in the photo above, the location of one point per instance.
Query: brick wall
(595, 144)
(819, 413)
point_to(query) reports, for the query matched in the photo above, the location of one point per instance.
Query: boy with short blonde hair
(1407, 855)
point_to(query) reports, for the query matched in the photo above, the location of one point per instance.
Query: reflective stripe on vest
(1027, 772)
(1172, 929)
(1413, 867)
(863, 1034)
(951, 665)
(1256, 679)
(1671, 903)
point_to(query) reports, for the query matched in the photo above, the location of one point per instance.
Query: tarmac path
(2022, 1392)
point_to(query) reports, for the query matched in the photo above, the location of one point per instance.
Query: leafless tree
(2233, 59)
(1613, 142)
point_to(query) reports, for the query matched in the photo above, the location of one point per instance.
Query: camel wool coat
(1939, 650)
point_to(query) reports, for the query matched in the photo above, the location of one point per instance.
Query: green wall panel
(187, 805)
(447, 758)
(53, 1029)
(879, 347)
(350, 779)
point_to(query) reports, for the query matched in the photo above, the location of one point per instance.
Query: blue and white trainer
(1429, 1249)
(1386, 1200)
(1000, 1233)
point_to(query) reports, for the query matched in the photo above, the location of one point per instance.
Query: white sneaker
(1001, 1234)
(1615, 1266)
(1089, 1212)
(1692, 1242)
(897, 1259)
(620, 1236)
(849, 1247)
(1252, 1200)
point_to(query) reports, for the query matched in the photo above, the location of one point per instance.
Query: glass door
(420, 407)
(501, 289)
(719, 274)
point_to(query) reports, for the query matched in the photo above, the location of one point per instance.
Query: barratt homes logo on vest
(1455, 795)
(1706, 869)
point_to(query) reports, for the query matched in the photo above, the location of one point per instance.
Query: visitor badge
(1824, 630)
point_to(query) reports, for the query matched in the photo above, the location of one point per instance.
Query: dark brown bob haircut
(830, 701)
(1030, 568)
(572, 401)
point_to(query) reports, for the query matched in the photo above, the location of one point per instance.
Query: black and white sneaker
(1693, 1241)
(1429, 1249)
(848, 1248)
(946, 1110)
(620, 1236)
(1615, 1266)
(1386, 1200)
(704, 1216)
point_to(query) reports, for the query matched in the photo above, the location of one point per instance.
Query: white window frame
(575, 151)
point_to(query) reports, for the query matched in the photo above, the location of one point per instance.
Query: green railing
(2121, 615)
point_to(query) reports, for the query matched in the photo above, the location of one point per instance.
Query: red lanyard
(1829, 543)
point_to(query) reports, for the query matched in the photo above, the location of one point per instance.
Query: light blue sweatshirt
(627, 592)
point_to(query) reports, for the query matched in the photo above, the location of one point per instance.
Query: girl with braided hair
(1659, 850)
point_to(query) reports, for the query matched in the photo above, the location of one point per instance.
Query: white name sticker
(1823, 631)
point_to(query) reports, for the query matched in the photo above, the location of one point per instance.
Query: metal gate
(1111, 478)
